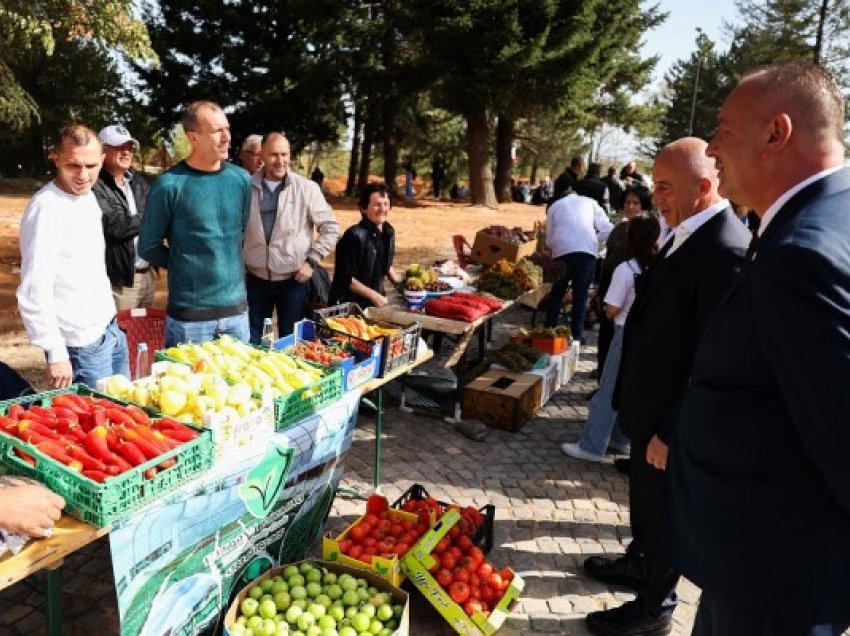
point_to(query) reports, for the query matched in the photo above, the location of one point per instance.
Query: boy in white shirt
(65, 297)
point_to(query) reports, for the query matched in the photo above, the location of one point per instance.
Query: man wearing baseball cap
(121, 194)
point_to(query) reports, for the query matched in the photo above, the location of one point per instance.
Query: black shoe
(625, 570)
(623, 465)
(628, 620)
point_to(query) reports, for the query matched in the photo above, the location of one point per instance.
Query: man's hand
(656, 453)
(27, 507)
(304, 273)
(59, 374)
(380, 301)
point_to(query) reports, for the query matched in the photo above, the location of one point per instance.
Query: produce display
(509, 235)
(240, 363)
(462, 306)
(503, 286)
(309, 599)
(94, 436)
(418, 278)
(527, 274)
(562, 331)
(176, 391)
(326, 353)
(356, 326)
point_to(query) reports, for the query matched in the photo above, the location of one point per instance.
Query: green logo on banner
(266, 480)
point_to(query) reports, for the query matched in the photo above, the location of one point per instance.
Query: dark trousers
(650, 531)
(12, 385)
(264, 296)
(719, 617)
(580, 268)
(603, 342)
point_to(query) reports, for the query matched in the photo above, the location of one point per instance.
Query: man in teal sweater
(194, 221)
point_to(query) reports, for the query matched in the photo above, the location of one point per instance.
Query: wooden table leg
(54, 600)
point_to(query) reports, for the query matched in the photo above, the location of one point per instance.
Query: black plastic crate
(483, 536)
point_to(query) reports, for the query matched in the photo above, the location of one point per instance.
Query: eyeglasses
(127, 146)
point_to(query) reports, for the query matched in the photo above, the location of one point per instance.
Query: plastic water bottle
(267, 339)
(143, 361)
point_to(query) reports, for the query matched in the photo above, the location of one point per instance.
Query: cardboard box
(388, 569)
(488, 249)
(534, 297)
(418, 561)
(550, 377)
(571, 361)
(400, 597)
(503, 399)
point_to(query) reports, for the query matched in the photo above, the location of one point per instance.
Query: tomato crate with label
(468, 591)
(399, 342)
(348, 588)
(377, 540)
(106, 457)
(484, 517)
(358, 364)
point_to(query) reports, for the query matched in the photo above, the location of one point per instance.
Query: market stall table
(69, 535)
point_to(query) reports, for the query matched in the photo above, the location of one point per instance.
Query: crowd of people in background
(723, 355)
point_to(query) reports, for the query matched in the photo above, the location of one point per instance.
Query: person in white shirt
(65, 298)
(574, 227)
(601, 430)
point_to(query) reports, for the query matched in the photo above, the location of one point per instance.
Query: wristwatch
(311, 262)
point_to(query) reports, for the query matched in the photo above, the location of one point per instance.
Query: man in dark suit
(759, 473)
(593, 187)
(568, 179)
(693, 270)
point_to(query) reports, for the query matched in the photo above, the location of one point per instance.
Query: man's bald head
(685, 180)
(688, 153)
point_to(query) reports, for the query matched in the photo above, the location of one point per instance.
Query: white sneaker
(576, 451)
(623, 449)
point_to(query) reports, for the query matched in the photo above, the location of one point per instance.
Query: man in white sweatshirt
(65, 297)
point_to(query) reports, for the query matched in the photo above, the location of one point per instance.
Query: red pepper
(179, 435)
(88, 462)
(154, 438)
(112, 440)
(96, 475)
(76, 434)
(148, 450)
(15, 411)
(34, 427)
(168, 424)
(119, 417)
(29, 459)
(168, 463)
(55, 450)
(69, 414)
(8, 425)
(41, 412)
(150, 473)
(131, 452)
(72, 402)
(32, 437)
(118, 462)
(138, 415)
(95, 444)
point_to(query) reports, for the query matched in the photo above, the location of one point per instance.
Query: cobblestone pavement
(551, 513)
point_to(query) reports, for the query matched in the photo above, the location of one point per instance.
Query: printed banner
(178, 561)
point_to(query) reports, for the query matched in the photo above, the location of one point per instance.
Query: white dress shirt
(768, 215)
(65, 297)
(140, 263)
(683, 231)
(576, 224)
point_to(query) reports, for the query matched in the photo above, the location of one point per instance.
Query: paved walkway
(551, 512)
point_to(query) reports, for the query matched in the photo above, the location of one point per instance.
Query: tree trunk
(365, 153)
(504, 161)
(354, 159)
(534, 167)
(824, 10)
(478, 150)
(389, 114)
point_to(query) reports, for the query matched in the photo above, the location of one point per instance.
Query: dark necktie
(754, 245)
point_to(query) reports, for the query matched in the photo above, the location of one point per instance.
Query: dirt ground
(424, 232)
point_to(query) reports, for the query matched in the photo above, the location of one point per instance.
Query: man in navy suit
(760, 477)
(691, 274)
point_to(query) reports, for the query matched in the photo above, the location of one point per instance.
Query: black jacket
(594, 189)
(671, 308)
(119, 226)
(759, 476)
(364, 253)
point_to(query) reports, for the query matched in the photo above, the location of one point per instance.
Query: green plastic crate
(304, 402)
(116, 498)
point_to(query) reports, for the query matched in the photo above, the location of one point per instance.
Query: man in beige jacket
(291, 228)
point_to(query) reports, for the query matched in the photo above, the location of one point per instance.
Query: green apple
(289, 570)
(293, 614)
(249, 607)
(282, 601)
(384, 613)
(313, 589)
(361, 622)
(268, 608)
(329, 578)
(279, 586)
(350, 598)
(256, 592)
(313, 576)
(305, 621)
(298, 591)
(334, 591)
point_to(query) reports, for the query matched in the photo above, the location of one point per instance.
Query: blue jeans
(179, 331)
(580, 268)
(601, 426)
(287, 296)
(105, 356)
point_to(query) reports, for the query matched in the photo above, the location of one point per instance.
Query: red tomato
(401, 548)
(466, 563)
(460, 574)
(435, 568)
(370, 519)
(385, 525)
(448, 560)
(495, 580)
(410, 505)
(356, 551)
(484, 569)
(459, 592)
(456, 551)
(470, 607)
(454, 531)
(474, 580)
(476, 554)
(407, 524)
(507, 574)
(410, 538)
(488, 594)
(464, 543)
(370, 542)
(444, 577)
(358, 532)
(345, 545)
(475, 593)
(396, 529)
(442, 545)
(368, 551)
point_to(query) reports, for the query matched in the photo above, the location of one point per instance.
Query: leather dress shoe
(625, 570)
(629, 620)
